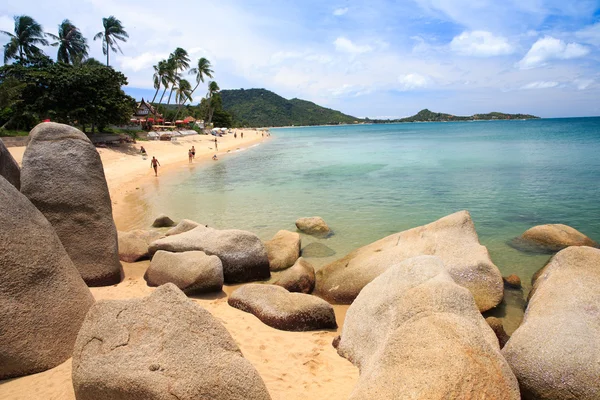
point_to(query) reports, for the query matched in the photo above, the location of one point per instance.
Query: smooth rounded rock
(133, 245)
(299, 278)
(512, 281)
(183, 226)
(317, 250)
(283, 250)
(553, 237)
(314, 226)
(163, 221)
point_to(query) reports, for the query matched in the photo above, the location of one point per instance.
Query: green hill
(261, 107)
(430, 116)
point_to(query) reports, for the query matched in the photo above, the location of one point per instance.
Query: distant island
(430, 116)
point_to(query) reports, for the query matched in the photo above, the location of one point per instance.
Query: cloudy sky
(375, 58)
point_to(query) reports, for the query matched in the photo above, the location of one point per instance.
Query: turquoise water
(369, 181)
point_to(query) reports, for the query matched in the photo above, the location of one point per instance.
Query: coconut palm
(170, 77)
(72, 46)
(201, 70)
(178, 60)
(113, 31)
(213, 89)
(183, 93)
(28, 34)
(160, 77)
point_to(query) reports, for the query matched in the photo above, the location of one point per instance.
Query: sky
(366, 58)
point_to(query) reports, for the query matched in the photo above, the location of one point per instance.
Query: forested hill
(426, 115)
(260, 107)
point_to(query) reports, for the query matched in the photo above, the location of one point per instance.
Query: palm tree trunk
(163, 95)
(155, 93)
(170, 93)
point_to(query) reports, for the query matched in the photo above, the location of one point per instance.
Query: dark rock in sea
(415, 334)
(9, 168)
(550, 238)
(43, 299)
(317, 250)
(280, 309)
(133, 245)
(163, 221)
(299, 278)
(161, 347)
(63, 177)
(314, 226)
(283, 250)
(554, 353)
(183, 226)
(512, 281)
(498, 328)
(193, 272)
(452, 238)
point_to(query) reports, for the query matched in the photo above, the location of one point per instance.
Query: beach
(293, 365)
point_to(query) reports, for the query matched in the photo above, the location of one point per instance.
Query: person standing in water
(216, 147)
(154, 164)
(190, 156)
(193, 152)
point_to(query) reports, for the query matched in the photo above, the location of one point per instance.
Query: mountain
(261, 107)
(430, 116)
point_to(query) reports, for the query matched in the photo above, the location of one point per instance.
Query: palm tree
(113, 31)
(72, 46)
(170, 77)
(160, 76)
(202, 70)
(179, 60)
(28, 34)
(183, 93)
(213, 89)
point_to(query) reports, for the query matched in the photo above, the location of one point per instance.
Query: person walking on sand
(242, 135)
(190, 156)
(154, 164)
(193, 152)
(216, 147)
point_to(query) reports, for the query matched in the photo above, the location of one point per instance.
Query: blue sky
(377, 58)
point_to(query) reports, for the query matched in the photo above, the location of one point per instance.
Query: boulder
(314, 226)
(192, 271)
(555, 352)
(415, 334)
(163, 221)
(317, 250)
(133, 245)
(63, 177)
(242, 253)
(160, 347)
(512, 281)
(283, 310)
(498, 328)
(9, 168)
(183, 226)
(452, 238)
(43, 299)
(299, 278)
(551, 238)
(283, 250)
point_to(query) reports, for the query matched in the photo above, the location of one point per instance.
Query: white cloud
(590, 34)
(413, 81)
(540, 85)
(549, 48)
(142, 61)
(480, 44)
(583, 84)
(345, 45)
(340, 11)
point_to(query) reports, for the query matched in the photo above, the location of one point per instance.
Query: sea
(370, 181)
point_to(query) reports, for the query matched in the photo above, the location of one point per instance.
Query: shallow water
(369, 181)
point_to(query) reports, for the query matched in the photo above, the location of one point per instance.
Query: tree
(28, 34)
(213, 89)
(72, 46)
(178, 60)
(160, 77)
(182, 94)
(201, 70)
(113, 31)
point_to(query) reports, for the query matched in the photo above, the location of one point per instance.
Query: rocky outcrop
(314, 226)
(551, 238)
(163, 221)
(415, 334)
(242, 253)
(133, 245)
(299, 278)
(283, 310)
(192, 271)
(43, 299)
(161, 347)
(283, 250)
(452, 238)
(183, 226)
(63, 177)
(9, 168)
(555, 353)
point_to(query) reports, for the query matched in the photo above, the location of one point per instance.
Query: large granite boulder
(314, 226)
(43, 299)
(551, 238)
(555, 353)
(452, 238)
(63, 177)
(299, 278)
(283, 310)
(242, 253)
(283, 250)
(183, 226)
(133, 245)
(160, 347)
(192, 271)
(9, 168)
(415, 334)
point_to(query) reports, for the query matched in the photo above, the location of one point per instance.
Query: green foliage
(72, 46)
(22, 44)
(429, 116)
(260, 107)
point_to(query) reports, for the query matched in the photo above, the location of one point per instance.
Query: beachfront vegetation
(113, 31)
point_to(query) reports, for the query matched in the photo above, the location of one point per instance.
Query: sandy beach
(293, 365)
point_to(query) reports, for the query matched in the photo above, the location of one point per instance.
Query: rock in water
(163, 221)
(183, 226)
(415, 334)
(512, 281)
(317, 250)
(192, 271)
(283, 250)
(242, 253)
(283, 310)
(555, 353)
(9, 168)
(452, 238)
(133, 245)
(42, 296)
(553, 237)
(299, 278)
(160, 347)
(63, 177)
(314, 226)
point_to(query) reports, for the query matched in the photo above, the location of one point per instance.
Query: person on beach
(216, 147)
(242, 135)
(215, 157)
(190, 156)
(234, 135)
(193, 152)
(142, 150)
(154, 164)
